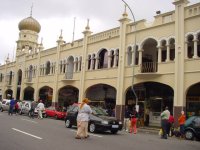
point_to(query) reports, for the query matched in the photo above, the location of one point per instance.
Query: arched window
(89, 61)
(190, 46)
(129, 56)
(48, 67)
(70, 68)
(103, 59)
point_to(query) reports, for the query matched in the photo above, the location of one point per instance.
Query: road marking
(30, 120)
(37, 137)
(90, 134)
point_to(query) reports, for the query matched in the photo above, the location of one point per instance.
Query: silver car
(5, 105)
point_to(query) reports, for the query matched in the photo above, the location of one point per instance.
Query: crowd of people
(15, 107)
(130, 118)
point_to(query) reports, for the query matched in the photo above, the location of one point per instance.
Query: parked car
(56, 113)
(25, 109)
(99, 120)
(5, 105)
(192, 128)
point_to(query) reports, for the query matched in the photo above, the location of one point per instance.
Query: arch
(154, 96)
(9, 94)
(48, 68)
(103, 59)
(29, 93)
(67, 95)
(149, 55)
(19, 81)
(46, 94)
(70, 67)
(193, 100)
(105, 96)
(129, 55)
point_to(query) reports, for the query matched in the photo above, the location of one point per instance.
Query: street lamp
(132, 87)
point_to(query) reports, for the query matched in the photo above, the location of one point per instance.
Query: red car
(53, 112)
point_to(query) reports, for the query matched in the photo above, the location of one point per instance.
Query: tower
(28, 36)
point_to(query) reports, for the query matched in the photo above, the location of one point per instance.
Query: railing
(149, 67)
(68, 75)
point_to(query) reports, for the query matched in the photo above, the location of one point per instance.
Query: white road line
(37, 137)
(90, 134)
(30, 120)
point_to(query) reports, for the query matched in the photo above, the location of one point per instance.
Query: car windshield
(99, 111)
(189, 120)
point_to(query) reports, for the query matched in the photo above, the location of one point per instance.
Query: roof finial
(31, 10)
(125, 13)
(60, 37)
(88, 27)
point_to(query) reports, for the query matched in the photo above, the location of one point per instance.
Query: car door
(72, 114)
(26, 107)
(196, 125)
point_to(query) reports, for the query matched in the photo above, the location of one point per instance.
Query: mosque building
(135, 64)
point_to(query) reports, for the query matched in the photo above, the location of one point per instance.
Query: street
(21, 133)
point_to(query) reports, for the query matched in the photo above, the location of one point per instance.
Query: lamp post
(132, 87)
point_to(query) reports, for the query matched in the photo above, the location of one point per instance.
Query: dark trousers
(164, 123)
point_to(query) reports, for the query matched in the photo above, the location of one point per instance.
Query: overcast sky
(54, 15)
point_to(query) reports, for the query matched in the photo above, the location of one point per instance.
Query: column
(133, 55)
(168, 52)
(195, 46)
(186, 49)
(159, 54)
(97, 62)
(140, 56)
(109, 60)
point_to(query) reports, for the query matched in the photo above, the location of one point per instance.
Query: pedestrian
(16, 107)
(83, 119)
(147, 111)
(164, 121)
(32, 110)
(40, 108)
(181, 121)
(133, 119)
(170, 125)
(11, 106)
(127, 119)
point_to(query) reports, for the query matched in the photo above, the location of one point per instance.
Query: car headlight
(120, 122)
(104, 122)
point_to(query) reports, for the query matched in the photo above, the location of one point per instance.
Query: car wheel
(56, 117)
(45, 115)
(189, 135)
(114, 131)
(92, 128)
(68, 123)
(1, 109)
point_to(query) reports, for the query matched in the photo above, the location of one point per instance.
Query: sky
(57, 15)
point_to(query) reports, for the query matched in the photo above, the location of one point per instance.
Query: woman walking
(83, 119)
(133, 126)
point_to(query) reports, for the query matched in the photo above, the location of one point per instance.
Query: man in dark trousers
(164, 121)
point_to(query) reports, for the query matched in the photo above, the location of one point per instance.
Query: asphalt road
(21, 133)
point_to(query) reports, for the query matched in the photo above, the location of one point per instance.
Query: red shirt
(171, 119)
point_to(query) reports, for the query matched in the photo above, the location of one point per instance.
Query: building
(152, 65)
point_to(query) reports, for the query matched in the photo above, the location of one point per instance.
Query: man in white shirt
(164, 121)
(40, 108)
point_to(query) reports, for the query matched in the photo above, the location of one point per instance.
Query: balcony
(148, 69)
(28, 81)
(68, 77)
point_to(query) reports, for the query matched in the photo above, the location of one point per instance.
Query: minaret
(28, 36)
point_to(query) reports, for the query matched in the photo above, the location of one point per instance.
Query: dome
(29, 24)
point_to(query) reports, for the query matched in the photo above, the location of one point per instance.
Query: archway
(152, 96)
(193, 100)
(19, 81)
(102, 95)
(67, 96)
(45, 94)
(28, 94)
(9, 94)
